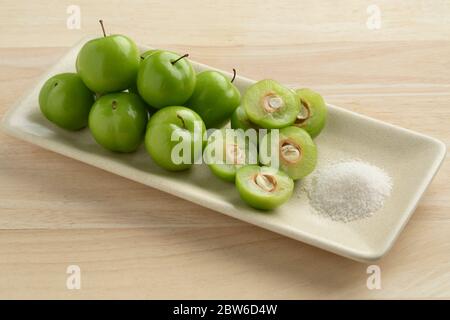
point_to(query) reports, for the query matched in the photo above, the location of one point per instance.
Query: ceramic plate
(412, 159)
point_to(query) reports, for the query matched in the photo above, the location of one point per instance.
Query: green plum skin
(161, 83)
(148, 53)
(66, 101)
(257, 197)
(240, 120)
(253, 105)
(108, 64)
(308, 160)
(226, 172)
(160, 128)
(318, 111)
(134, 89)
(117, 121)
(214, 98)
(150, 109)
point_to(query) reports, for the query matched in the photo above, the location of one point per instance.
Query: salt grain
(348, 191)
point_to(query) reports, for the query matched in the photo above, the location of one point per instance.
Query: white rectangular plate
(412, 160)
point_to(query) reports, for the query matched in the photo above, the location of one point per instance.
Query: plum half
(263, 188)
(227, 150)
(313, 112)
(297, 153)
(271, 105)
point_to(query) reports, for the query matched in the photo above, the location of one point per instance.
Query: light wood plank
(224, 22)
(221, 262)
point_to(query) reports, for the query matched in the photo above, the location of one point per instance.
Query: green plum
(118, 120)
(108, 64)
(313, 114)
(174, 137)
(227, 150)
(165, 79)
(66, 101)
(271, 105)
(297, 151)
(263, 188)
(215, 98)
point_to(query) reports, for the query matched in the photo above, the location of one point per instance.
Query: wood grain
(132, 241)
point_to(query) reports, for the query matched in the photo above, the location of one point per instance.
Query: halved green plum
(227, 150)
(271, 105)
(297, 153)
(263, 188)
(313, 114)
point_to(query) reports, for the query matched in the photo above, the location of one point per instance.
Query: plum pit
(266, 182)
(290, 152)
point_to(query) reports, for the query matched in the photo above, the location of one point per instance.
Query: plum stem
(234, 75)
(182, 57)
(103, 27)
(114, 104)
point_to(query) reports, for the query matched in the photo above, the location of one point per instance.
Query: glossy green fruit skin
(227, 171)
(215, 98)
(240, 120)
(160, 128)
(108, 64)
(308, 160)
(148, 53)
(134, 89)
(66, 101)
(118, 120)
(150, 109)
(253, 106)
(317, 109)
(259, 198)
(161, 83)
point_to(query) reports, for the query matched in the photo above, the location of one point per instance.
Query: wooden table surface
(131, 241)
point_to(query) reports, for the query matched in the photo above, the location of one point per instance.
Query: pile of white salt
(348, 191)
